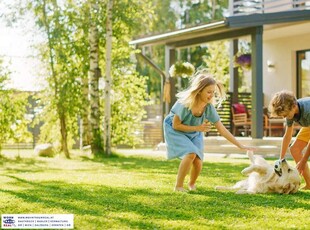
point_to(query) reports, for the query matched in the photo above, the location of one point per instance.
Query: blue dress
(180, 143)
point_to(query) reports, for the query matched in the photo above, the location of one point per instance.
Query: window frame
(299, 58)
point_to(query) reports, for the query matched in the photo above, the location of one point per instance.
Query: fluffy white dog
(262, 178)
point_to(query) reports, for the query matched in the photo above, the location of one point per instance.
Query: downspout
(162, 80)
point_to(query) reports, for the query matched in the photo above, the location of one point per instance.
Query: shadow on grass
(148, 164)
(21, 165)
(138, 163)
(101, 200)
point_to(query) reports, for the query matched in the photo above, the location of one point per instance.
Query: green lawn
(136, 193)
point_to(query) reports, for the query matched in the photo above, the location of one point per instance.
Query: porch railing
(241, 7)
(225, 110)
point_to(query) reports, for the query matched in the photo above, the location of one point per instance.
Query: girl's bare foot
(192, 187)
(180, 189)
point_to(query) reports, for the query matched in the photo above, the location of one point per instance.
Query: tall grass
(135, 192)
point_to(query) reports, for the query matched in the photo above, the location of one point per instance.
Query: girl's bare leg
(195, 171)
(184, 168)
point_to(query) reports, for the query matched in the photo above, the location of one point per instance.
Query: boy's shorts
(304, 134)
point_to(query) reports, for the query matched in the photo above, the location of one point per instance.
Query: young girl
(189, 117)
(285, 104)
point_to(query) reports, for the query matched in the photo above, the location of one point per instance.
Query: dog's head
(289, 179)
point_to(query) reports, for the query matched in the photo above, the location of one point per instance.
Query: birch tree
(108, 81)
(94, 75)
(85, 135)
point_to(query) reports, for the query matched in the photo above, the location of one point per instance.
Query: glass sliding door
(303, 73)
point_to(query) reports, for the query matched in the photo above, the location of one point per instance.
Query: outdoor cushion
(239, 108)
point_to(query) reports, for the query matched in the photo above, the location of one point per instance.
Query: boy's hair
(197, 84)
(282, 103)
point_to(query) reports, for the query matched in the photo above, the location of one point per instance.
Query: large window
(303, 73)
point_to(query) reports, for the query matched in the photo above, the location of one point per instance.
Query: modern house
(279, 32)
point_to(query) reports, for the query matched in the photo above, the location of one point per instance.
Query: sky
(15, 49)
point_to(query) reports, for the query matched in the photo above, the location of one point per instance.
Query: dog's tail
(243, 184)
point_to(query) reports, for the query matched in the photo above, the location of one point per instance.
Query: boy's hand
(300, 166)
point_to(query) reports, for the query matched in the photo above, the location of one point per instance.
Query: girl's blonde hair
(282, 103)
(199, 81)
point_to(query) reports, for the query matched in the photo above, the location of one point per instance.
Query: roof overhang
(193, 36)
(179, 35)
(230, 27)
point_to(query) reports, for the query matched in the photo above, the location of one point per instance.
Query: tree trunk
(213, 3)
(85, 134)
(94, 74)
(63, 130)
(108, 81)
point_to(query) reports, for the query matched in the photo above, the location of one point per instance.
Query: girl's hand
(248, 148)
(205, 126)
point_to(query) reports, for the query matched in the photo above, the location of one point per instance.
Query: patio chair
(273, 125)
(240, 119)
